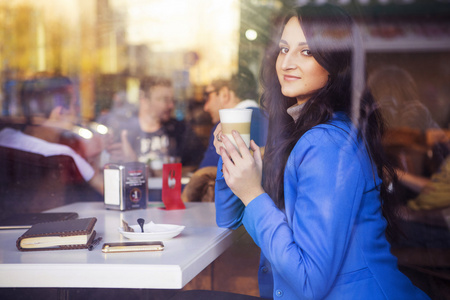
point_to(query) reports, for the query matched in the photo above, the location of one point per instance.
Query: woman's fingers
(231, 150)
(217, 141)
(256, 153)
(226, 161)
(242, 146)
(242, 173)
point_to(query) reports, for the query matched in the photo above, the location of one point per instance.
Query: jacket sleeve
(306, 244)
(229, 208)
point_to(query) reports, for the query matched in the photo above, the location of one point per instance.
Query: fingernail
(234, 132)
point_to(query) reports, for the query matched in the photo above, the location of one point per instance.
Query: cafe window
(107, 48)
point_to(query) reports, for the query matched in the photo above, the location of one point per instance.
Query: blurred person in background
(119, 113)
(155, 137)
(121, 110)
(414, 142)
(49, 105)
(418, 149)
(433, 193)
(318, 204)
(396, 93)
(240, 91)
(410, 127)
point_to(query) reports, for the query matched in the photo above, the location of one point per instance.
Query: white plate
(152, 232)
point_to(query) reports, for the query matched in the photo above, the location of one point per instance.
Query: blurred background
(106, 46)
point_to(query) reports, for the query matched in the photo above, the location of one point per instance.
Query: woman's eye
(307, 52)
(284, 50)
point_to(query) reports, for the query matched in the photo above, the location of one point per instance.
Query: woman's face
(300, 75)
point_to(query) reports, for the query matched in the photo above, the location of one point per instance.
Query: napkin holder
(125, 186)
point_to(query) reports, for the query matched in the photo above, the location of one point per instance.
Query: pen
(94, 243)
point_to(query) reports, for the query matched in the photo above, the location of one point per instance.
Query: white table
(184, 256)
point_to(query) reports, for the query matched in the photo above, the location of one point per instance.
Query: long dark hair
(330, 33)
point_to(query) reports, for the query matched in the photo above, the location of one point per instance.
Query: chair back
(32, 182)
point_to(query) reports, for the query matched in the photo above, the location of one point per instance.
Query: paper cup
(238, 119)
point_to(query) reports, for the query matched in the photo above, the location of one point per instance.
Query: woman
(317, 216)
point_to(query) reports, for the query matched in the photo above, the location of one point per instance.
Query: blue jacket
(329, 241)
(258, 133)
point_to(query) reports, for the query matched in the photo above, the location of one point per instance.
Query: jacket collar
(295, 110)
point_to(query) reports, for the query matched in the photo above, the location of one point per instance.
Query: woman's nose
(288, 62)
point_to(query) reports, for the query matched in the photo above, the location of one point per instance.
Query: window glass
(78, 77)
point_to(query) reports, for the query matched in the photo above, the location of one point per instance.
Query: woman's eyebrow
(299, 44)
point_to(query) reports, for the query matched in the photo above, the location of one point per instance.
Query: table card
(171, 188)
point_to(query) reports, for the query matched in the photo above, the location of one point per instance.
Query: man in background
(155, 137)
(238, 92)
(120, 111)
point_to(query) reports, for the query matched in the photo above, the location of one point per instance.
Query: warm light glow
(102, 129)
(171, 28)
(84, 133)
(251, 34)
(97, 127)
(137, 37)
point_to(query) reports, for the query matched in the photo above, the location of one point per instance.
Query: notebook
(58, 235)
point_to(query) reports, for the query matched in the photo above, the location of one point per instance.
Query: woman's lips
(290, 77)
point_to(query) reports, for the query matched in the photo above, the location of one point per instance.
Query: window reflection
(107, 49)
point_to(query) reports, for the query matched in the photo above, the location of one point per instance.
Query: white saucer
(152, 232)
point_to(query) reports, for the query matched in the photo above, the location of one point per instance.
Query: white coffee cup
(238, 119)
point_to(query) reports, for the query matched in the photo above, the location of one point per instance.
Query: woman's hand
(217, 140)
(242, 170)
